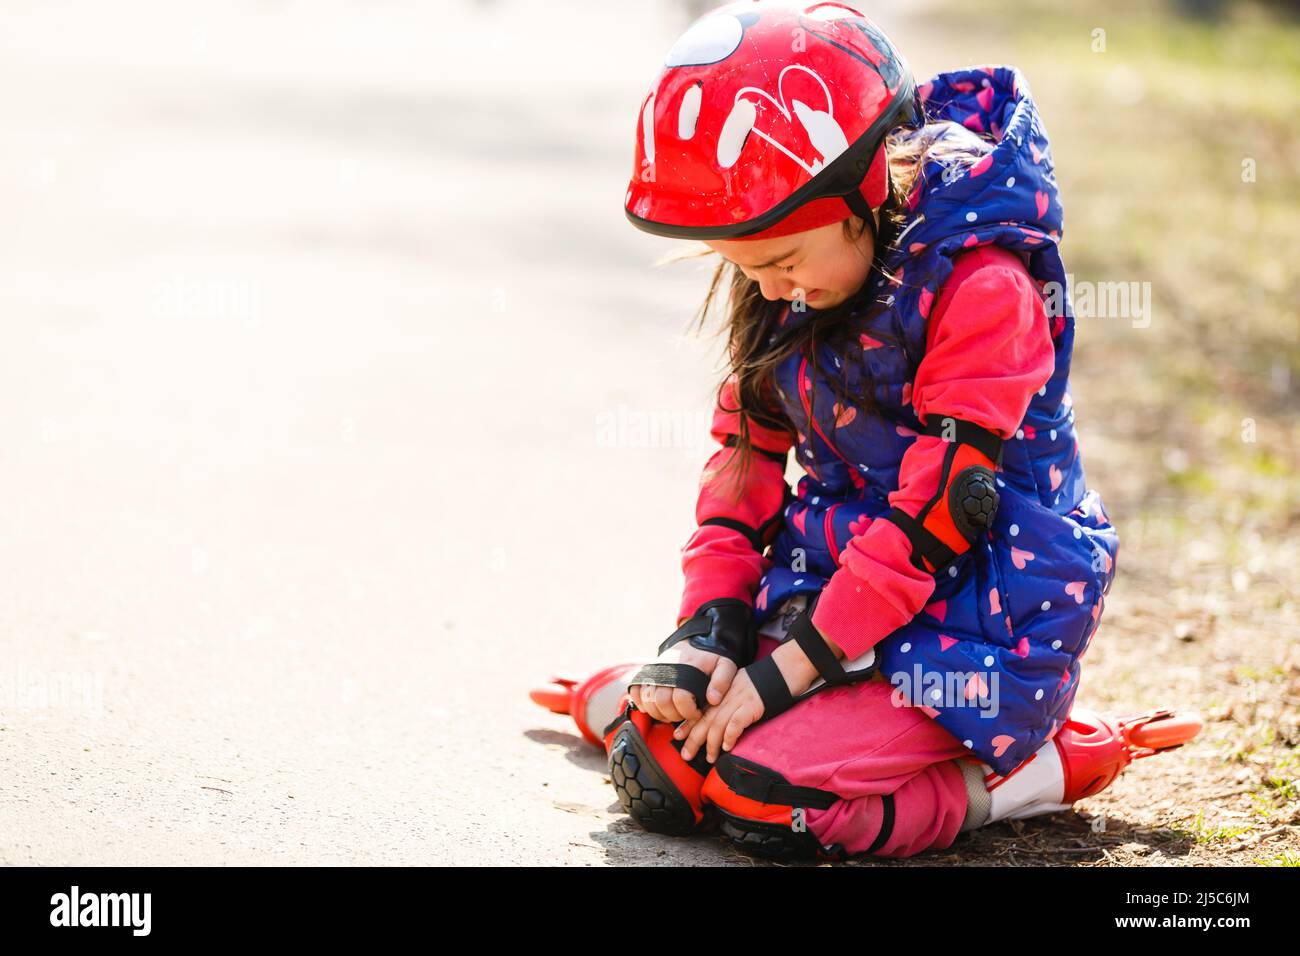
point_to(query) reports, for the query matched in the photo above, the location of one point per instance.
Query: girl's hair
(751, 318)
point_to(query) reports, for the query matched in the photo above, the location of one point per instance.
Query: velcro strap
(624, 714)
(764, 785)
(819, 653)
(771, 686)
(886, 822)
(924, 543)
(987, 443)
(693, 627)
(681, 676)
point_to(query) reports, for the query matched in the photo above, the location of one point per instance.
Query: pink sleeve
(988, 349)
(719, 560)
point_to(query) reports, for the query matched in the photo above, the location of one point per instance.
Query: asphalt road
(339, 404)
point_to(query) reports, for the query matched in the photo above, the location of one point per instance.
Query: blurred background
(341, 405)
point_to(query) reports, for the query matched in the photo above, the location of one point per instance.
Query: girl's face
(821, 265)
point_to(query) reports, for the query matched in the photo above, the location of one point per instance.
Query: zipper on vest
(812, 422)
(829, 527)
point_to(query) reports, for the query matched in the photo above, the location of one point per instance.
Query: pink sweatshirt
(988, 350)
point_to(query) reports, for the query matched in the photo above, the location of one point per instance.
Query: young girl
(889, 654)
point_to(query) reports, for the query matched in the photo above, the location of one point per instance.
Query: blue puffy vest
(994, 657)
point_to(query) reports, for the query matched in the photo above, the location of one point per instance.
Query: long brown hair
(751, 318)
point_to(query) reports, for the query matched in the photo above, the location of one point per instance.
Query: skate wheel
(1165, 732)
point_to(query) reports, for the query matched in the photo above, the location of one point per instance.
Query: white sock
(1036, 788)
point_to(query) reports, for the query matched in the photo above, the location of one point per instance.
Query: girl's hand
(722, 724)
(674, 704)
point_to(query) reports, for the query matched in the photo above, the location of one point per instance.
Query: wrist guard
(724, 627)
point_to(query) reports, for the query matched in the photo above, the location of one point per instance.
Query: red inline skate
(1085, 756)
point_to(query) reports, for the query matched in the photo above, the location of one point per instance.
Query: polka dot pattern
(1048, 523)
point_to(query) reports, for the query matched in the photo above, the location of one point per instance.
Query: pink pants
(855, 742)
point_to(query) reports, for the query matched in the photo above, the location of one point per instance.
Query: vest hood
(1011, 183)
(1003, 176)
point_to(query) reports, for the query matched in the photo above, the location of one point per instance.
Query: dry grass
(1189, 425)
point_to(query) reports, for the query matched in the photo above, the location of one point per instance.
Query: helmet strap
(883, 234)
(858, 205)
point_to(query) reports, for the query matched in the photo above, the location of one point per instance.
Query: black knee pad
(657, 788)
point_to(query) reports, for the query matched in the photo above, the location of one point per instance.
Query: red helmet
(769, 118)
